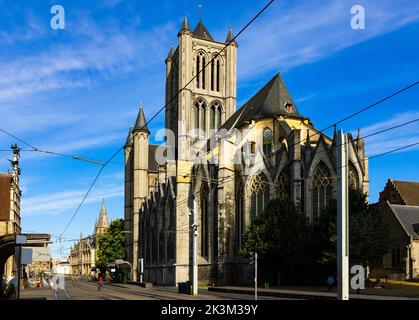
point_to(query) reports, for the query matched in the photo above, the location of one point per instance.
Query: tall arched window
(239, 212)
(218, 75)
(172, 229)
(212, 74)
(204, 63)
(282, 186)
(267, 142)
(215, 115)
(204, 220)
(200, 116)
(259, 190)
(212, 117)
(200, 70)
(215, 74)
(196, 115)
(353, 176)
(218, 116)
(321, 190)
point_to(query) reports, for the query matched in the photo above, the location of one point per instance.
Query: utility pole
(343, 216)
(194, 251)
(256, 275)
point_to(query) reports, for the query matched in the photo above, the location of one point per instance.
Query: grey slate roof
(230, 37)
(141, 124)
(152, 162)
(270, 101)
(408, 217)
(185, 25)
(202, 32)
(129, 140)
(170, 54)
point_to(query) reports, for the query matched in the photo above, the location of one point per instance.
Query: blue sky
(78, 90)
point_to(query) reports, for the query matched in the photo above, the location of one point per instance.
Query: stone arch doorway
(7, 249)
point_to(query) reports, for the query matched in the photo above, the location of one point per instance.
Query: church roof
(202, 32)
(170, 54)
(141, 123)
(409, 191)
(408, 217)
(153, 165)
(103, 217)
(185, 25)
(129, 141)
(272, 100)
(230, 37)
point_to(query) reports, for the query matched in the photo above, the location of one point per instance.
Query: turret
(141, 147)
(128, 191)
(230, 38)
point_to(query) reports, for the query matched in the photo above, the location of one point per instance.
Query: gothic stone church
(222, 163)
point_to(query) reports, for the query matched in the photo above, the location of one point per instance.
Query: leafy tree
(368, 235)
(280, 235)
(111, 244)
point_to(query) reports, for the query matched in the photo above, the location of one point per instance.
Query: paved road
(87, 290)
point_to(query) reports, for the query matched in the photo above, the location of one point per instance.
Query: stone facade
(402, 260)
(399, 205)
(83, 254)
(224, 165)
(10, 207)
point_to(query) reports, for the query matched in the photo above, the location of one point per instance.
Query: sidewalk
(297, 294)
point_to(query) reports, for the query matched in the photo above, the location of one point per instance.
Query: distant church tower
(103, 223)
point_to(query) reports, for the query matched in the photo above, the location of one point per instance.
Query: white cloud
(64, 201)
(93, 53)
(287, 37)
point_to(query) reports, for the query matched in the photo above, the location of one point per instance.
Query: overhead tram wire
(364, 137)
(35, 149)
(351, 116)
(331, 126)
(163, 108)
(183, 228)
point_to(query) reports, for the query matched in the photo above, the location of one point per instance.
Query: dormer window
(288, 106)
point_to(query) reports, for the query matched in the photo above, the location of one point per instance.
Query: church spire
(185, 25)
(141, 123)
(103, 217)
(170, 54)
(129, 140)
(230, 37)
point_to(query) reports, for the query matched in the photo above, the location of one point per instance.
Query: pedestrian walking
(330, 282)
(100, 283)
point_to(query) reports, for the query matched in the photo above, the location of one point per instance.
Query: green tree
(111, 244)
(368, 235)
(280, 235)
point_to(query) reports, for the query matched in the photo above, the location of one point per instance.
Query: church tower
(207, 69)
(103, 223)
(210, 98)
(140, 134)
